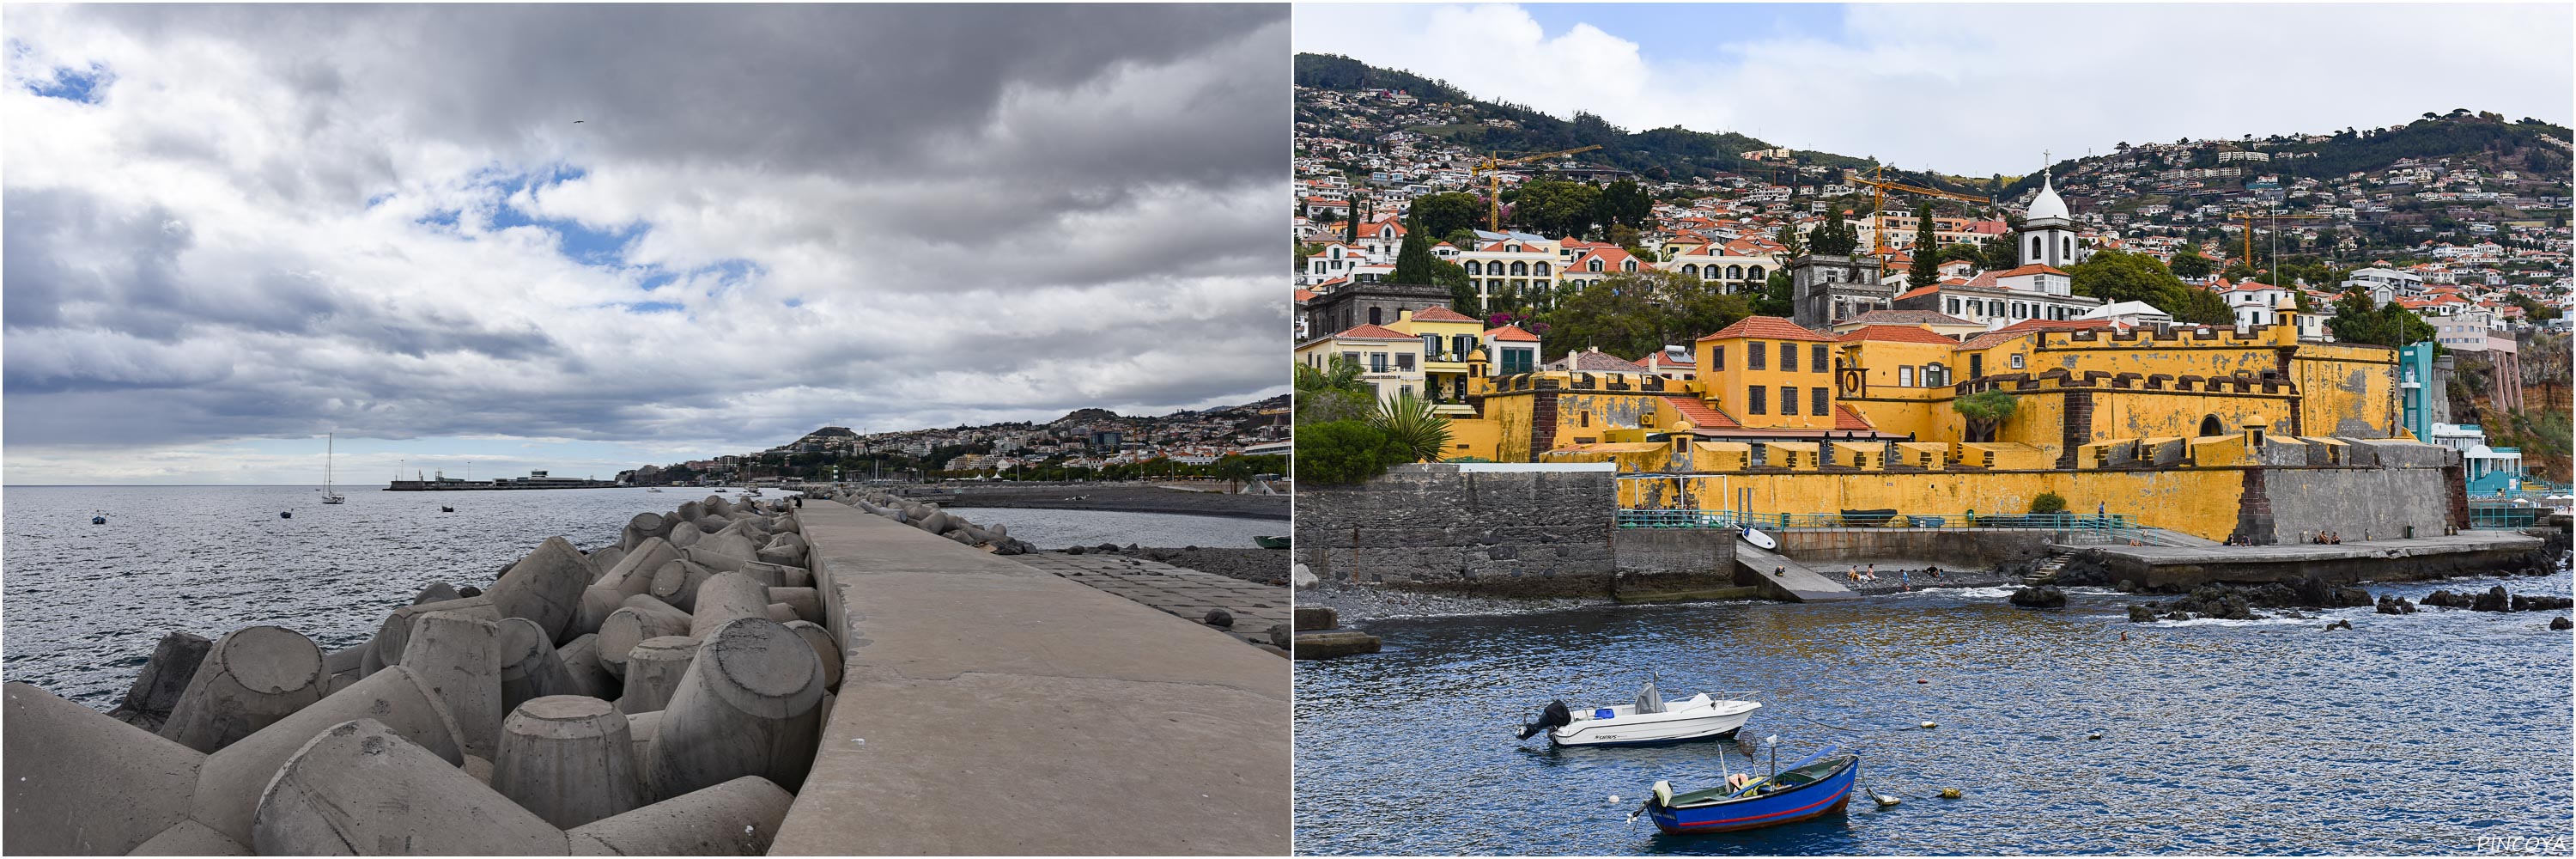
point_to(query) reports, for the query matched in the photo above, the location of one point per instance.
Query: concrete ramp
(1788, 579)
(989, 708)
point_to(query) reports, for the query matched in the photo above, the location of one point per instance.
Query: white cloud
(1978, 89)
(279, 221)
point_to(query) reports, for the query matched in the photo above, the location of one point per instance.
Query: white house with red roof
(1389, 360)
(1516, 265)
(1596, 262)
(1509, 350)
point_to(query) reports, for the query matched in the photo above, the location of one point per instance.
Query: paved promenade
(1180, 591)
(992, 708)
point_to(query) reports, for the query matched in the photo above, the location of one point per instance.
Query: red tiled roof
(1441, 314)
(1511, 333)
(1846, 419)
(1304, 294)
(1373, 332)
(2033, 268)
(1700, 414)
(1896, 334)
(1918, 293)
(1766, 327)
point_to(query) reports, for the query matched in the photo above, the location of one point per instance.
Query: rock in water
(2393, 604)
(2043, 596)
(2561, 622)
(2493, 600)
(1219, 618)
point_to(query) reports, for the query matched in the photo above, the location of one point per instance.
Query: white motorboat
(1647, 721)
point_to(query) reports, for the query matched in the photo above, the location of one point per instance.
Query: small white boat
(1648, 721)
(655, 489)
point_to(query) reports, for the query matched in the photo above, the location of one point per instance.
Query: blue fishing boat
(1813, 788)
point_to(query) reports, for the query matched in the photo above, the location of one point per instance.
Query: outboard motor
(1552, 718)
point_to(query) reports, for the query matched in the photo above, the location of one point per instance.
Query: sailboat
(329, 494)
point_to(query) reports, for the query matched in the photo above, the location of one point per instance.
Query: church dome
(2049, 205)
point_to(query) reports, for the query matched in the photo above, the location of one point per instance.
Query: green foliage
(2048, 502)
(2355, 321)
(1414, 263)
(1345, 452)
(2001, 253)
(2536, 311)
(1409, 422)
(1926, 270)
(1630, 315)
(1335, 393)
(1779, 296)
(1445, 215)
(1328, 71)
(2188, 262)
(1959, 251)
(1462, 239)
(1792, 245)
(2201, 307)
(2116, 276)
(1625, 204)
(1556, 208)
(1993, 407)
(1834, 237)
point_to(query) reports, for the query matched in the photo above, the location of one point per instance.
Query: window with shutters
(1789, 357)
(1756, 357)
(1753, 397)
(1905, 377)
(1717, 357)
(1788, 400)
(1377, 362)
(1404, 361)
(1818, 396)
(1816, 357)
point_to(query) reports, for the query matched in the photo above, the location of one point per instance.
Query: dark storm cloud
(275, 220)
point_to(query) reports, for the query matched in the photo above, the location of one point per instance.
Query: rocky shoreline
(1259, 566)
(662, 694)
(1117, 497)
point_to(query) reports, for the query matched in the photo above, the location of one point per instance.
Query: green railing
(2083, 528)
(2505, 516)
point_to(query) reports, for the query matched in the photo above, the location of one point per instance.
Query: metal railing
(2116, 528)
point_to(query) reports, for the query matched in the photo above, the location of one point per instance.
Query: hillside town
(2461, 239)
(2455, 265)
(1084, 444)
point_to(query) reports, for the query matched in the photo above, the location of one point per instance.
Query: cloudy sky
(1977, 89)
(230, 230)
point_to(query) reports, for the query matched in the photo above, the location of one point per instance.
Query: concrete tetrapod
(654, 671)
(252, 677)
(581, 660)
(826, 650)
(545, 586)
(603, 559)
(747, 706)
(395, 633)
(360, 788)
(634, 573)
(568, 758)
(724, 598)
(80, 782)
(676, 583)
(458, 658)
(529, 666)
(736, 818)
(641, 617)
(190, 838)
(686, 535)
(807, 601)
(228, 790)
(164, 678)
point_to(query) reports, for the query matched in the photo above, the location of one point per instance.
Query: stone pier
(988, 707)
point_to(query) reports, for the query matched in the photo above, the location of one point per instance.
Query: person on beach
(1852, 574)
(1905, 579)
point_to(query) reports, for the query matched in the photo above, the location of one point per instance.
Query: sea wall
(659, 695)
(1665, 564)
(1983, 547)
(1517, 529)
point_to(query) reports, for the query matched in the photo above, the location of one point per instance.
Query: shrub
(1343, 452)
(2048, 502)
(1411, 423)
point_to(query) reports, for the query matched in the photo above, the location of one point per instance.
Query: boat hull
(1805, 802)
(1658, 732)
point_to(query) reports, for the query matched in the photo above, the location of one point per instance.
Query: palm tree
(1410, 422)
(1335, 393)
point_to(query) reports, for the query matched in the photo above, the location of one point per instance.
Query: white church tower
(2047, 232)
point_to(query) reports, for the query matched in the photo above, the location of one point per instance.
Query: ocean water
(81, 605)
(2406, 735)
(1057, 529)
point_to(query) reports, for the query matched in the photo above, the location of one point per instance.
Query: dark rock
(2561, 622)
(2522, 602)
(1219, 617)
(1108, 547)
(1315, 617)
(1073, 550)
(2141, 614)
(2340, 624)
(2043, 596)
(174, 662)
(2085, 569)
(2446, 599)
(2493, 600)
(2394, 604)
(468, 592)
(1279, 635)
(2127, 587)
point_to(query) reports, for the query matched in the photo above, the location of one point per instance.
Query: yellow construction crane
(1494, 180)
(1878, 206)
(2245, 221)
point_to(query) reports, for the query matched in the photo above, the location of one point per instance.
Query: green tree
(1463, 239)
(1927, 263)
(1445, 214)
(2116, 276)
(2391, 324)
(1973, 254)
(1411, 424)
(1985, 411)
(1625, 204)
(1792, 245)
(1634, 314)
(2188, 262)
(1462, 289)
(1779, 296)
(1414, 263)
(1351, 227)
(1335, 393)
(2048, 502)
(2199, 306)
(1343, 452)
(2002, 253)
(1556, 208)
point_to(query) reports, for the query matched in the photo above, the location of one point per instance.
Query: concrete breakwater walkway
(661, 695)
(2176, 568)
(1250, 609)
(993, 708)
